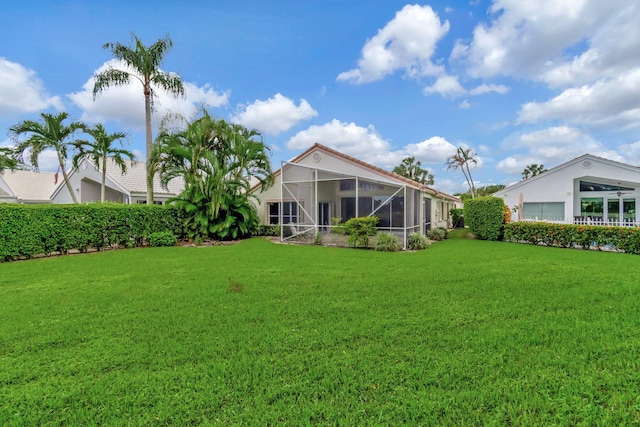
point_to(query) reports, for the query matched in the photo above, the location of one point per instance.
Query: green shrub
(267, 230)
(457, 216)
(162, 238)
(387, 242)
(338, 226)
(437, 234)
(625, 239)
(417, 241)
(359, 230)
(485, 217)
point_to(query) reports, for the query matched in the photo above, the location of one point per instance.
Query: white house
(322, 183)
(47, 187)
(587, 189)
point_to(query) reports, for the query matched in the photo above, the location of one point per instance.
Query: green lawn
(464, 333)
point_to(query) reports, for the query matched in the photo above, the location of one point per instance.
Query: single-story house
(321, 185)
(586, 190)
(47, 187)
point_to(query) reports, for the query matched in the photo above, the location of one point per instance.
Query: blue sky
(519, 82)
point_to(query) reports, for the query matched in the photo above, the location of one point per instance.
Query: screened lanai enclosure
(314, 201)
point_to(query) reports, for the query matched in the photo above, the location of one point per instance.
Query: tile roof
(369, 166)
(135, 179)
(32, 186)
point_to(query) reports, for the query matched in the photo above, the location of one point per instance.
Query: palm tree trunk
(149, 142)
(471, 184)
(66, 178)
(466, 178)
(104, 179)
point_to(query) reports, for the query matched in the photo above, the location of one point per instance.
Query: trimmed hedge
(625, 239)
(29, 230)
(485, 217)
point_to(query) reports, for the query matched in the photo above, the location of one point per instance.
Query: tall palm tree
(461, 160)
(51, 133)
(100, 149)
(412, 169)
(143, 64)
(532, 170)
(7, 159)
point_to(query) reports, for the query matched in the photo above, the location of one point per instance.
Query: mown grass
(464, 333)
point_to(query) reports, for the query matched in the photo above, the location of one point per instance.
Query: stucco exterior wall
(562, 184)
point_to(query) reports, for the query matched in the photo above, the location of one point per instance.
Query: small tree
(100, 149)
(532, 170)
(461, 160)
(49, 133)
(359, 230)
(412, 169)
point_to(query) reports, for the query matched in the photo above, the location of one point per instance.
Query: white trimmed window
(290, 214)
(543, 211)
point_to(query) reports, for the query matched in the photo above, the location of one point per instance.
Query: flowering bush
(625, 239)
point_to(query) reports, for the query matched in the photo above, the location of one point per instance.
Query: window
(594, 186)
(290, 214)
(365, 207)
(350, 185)
(543, 211)
(592, 207)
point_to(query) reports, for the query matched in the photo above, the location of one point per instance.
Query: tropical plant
(100, 150)
(143, 64)
(412, 169)
(461, 160)
(49, 133)
(7, 159)
(417, 241)
(359, 230)
(386, 242)
(218, 162)
(532, 170)
(437, 234)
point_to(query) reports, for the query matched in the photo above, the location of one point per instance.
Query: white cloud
(514, 165)
(524, 36)
(611, 50)
(275, 115)
(631, 153)
(406, 43)
(551, 147)
(488, 88)
(433, 150)
(348, 138)
(21, 91)
(125, 104)
(607, 103)
(464, 105)
(47, 160)
(447, 86)
(365, 143)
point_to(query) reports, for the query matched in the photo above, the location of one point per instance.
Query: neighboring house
(47, 187)
(27, 187)
(321, 184)
(585, 190)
